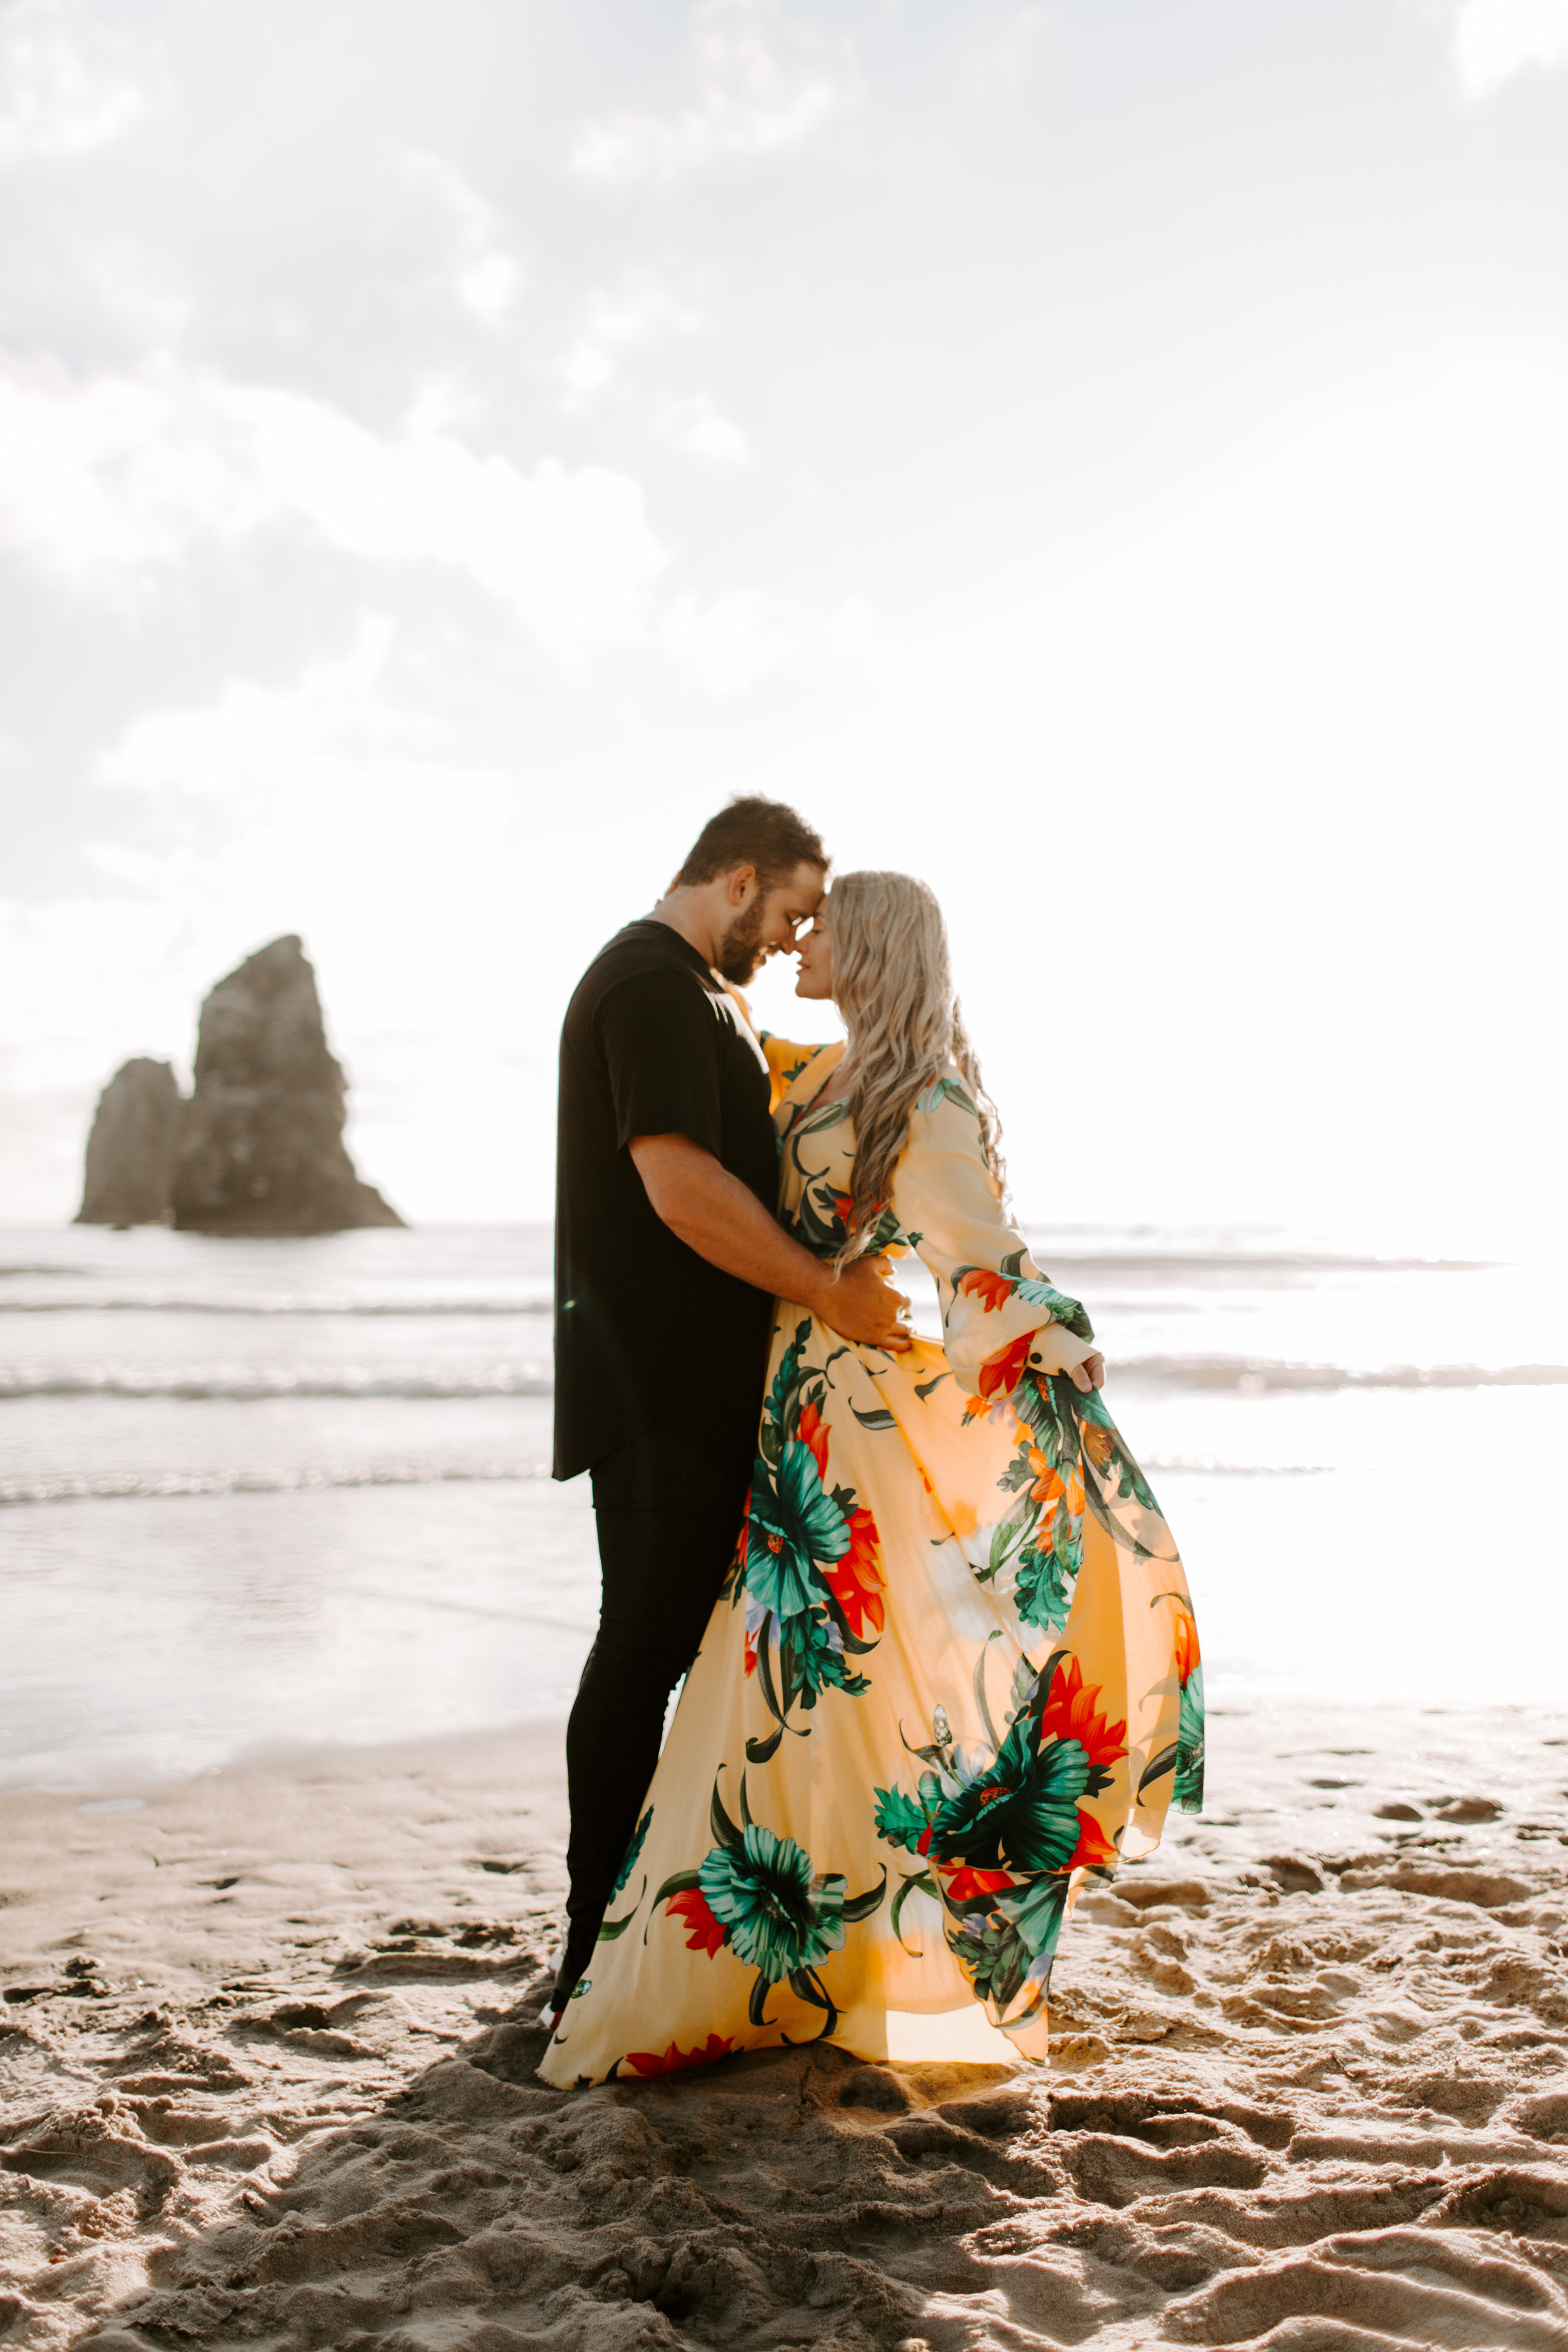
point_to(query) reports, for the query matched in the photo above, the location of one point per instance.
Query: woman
(954, 1667)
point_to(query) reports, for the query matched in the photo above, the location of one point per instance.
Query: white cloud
(695, 423)
(57, 100)
(142, 288)
(323, 805)
(317, 825)
(615, 319)
(263, 735)
(106, 480)
(762, 85)
(1495, 39)
(68, 964)
(323, 779)
(486, 276)
(728, 645)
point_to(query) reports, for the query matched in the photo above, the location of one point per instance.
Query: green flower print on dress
(1188, 1786)
(610, 1928)
(809, 1564)
(759, 1894)
(1020, 1815)
(998, 1288)
(779, 1917)
(942, 1090)
(639, 1839)
(1039, 1538)
(820, 1221)
(1000, 1838)
(787, 1073)
(1071, 1460)
(1010, 1949)
(1184, 1756)
(795, 1524)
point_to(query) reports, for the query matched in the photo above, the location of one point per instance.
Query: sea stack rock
(132, 1149)
(262, 1147)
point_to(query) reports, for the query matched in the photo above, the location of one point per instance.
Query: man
(668, 1258)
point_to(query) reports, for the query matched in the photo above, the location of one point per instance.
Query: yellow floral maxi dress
(953, 1669)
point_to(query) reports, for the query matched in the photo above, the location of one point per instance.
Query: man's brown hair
(753, 831)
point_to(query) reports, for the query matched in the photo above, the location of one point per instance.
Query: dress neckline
(803, 1104)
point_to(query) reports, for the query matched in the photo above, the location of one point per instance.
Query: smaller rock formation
(262, 1147)
(131, 1151)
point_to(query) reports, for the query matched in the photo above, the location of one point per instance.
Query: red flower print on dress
(999, 1375)
(856, 1580)
(1188, 1654)
(844, 1208)
(813, 1433)
(703, 1932)
(673, 2061)
(812, 1573)
(1071, 1712)
(994, 1290)
(1048, 1486)
(965, 1886)
(736, 1570)
(1094, 1850)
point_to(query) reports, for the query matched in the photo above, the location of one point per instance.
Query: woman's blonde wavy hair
(892, 978)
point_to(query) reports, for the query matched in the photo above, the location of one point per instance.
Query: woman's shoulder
(799, 1070)
(945, 1096)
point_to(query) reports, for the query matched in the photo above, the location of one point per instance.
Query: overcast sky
(1108, 457)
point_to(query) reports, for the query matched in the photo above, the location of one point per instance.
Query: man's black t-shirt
(650, 1338)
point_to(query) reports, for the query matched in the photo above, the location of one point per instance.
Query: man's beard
(740, 951)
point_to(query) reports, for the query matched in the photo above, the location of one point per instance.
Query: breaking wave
(256, 1383)
(279, 1302)
(70, 1487)
(252, 1383)
(1246, 1372)
(1240, 1264)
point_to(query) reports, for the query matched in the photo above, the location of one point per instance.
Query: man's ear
(740, 880)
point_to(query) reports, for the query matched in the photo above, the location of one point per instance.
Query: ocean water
(258, 1493)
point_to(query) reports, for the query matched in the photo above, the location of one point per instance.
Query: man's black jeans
(668, 1515)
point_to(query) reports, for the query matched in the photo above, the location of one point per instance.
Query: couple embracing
(940, 1660)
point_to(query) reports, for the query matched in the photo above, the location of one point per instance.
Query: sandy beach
(268, 2049)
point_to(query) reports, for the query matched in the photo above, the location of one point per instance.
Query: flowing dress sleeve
(1082, 1551)
(1000, 1316)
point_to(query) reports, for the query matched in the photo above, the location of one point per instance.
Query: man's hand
(1089, 1374)
(863, 1305)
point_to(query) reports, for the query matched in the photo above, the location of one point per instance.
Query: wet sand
(267, 2048)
